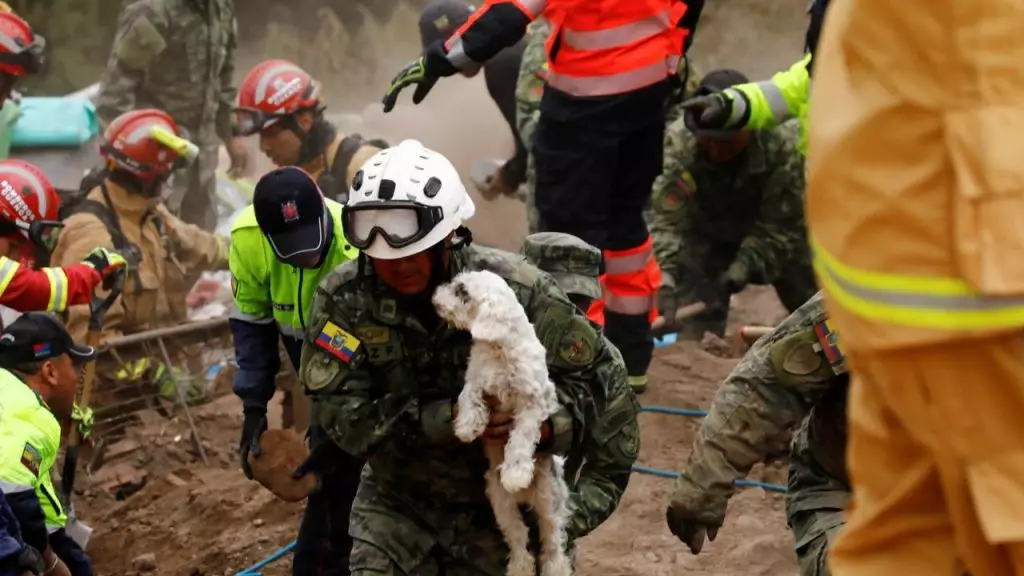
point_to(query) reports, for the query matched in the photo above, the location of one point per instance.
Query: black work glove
(254, 425)
(709, 111)
(323, 459)
(668, 304)
(690, 529)
(423, 72)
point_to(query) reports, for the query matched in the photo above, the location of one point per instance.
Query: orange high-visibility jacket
(596, 48)
(916, 184)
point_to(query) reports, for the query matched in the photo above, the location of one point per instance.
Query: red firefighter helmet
(29, 204)
(21, 52)
(271, 91)
(130, 144)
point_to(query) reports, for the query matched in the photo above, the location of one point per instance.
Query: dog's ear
(487, 328)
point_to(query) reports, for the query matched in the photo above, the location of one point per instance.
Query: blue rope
(252, 570)
(674, 411)
(742, 483)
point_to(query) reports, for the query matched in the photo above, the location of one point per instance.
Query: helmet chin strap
(136, 185)
(315, 140)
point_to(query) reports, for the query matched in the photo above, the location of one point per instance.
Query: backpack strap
(131, 253)
(339, 165)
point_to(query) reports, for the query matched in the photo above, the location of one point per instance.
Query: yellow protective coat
(160, 300)
(916, 213)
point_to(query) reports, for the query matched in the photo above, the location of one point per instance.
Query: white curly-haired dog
(508, 362)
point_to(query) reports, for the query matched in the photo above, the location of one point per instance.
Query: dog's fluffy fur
(508, 363)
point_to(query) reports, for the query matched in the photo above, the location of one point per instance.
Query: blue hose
(674, 411)
(743, 483)
(252, 570)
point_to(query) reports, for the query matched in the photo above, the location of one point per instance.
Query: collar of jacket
(129, 205)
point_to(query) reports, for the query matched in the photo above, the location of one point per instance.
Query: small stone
(263, 539)
(145, 563)
(652, 557)
(258, 522)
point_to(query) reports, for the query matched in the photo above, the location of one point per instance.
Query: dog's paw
(517, 476)
(521, 563)
(555, 565)
(468, 427)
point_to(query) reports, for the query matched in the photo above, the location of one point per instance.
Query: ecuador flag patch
(337, 342)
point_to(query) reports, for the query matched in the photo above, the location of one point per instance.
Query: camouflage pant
(815, 506)
(193, 195)
(393, 537)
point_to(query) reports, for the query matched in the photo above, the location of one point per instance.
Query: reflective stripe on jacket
(607, 47)
(771, 102)
(916, 194)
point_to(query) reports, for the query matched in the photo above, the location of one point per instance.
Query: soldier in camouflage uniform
(794, 376)
(178, 56)
(530, 87)
(728, 212)
(383, 371)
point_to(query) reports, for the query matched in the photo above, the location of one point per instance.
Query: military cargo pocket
(997, 488)
(989, 198)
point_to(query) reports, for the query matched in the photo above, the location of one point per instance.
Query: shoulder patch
(802, 359)
(234, 286)
(31, 459)
(578, 345)
(337, 342)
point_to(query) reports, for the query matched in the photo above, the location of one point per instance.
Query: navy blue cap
(38, 336)
(290, 212)
(441, 18)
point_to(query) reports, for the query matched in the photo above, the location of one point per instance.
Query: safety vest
(774, 101)
(267, 290)
(605, 47)
(29, 441)
(58, 279)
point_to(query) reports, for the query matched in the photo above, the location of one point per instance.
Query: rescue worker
(284, 105)
(22, 52)
(530, 88)
(929, 301)
(728, 212)
(571, 262)
(794, 377)
(281, 249)
(28, 232)
(598, 144)
(179, 56)
(384, 371)
(38, 382)
(438, 21)
(125, 212)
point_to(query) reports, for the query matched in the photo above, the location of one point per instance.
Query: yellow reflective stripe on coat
(8, 268)
(915, 301)
(58, 289)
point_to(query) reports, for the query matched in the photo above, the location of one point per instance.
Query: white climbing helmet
(404, 200)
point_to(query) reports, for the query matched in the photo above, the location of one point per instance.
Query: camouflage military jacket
(787, 376)
(382, 386)
(753, 204)
(178, 56)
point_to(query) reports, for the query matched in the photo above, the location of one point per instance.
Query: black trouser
(594, 173)
(323, 545)
(70, 553)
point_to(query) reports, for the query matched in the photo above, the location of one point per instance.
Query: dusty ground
(207, 519)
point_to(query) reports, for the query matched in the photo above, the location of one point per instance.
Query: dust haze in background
(458, 118)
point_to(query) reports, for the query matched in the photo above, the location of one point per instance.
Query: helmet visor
(29, 59)
(400, 223)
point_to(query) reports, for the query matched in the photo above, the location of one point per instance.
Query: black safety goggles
(29, 58)
(42, 233)
(249, 121)
(399, 222)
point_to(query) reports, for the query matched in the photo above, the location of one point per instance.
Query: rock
(173, 479)
(715, 346)
(263, 539)
(258, 522)
(145, 563)
(281, 452)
